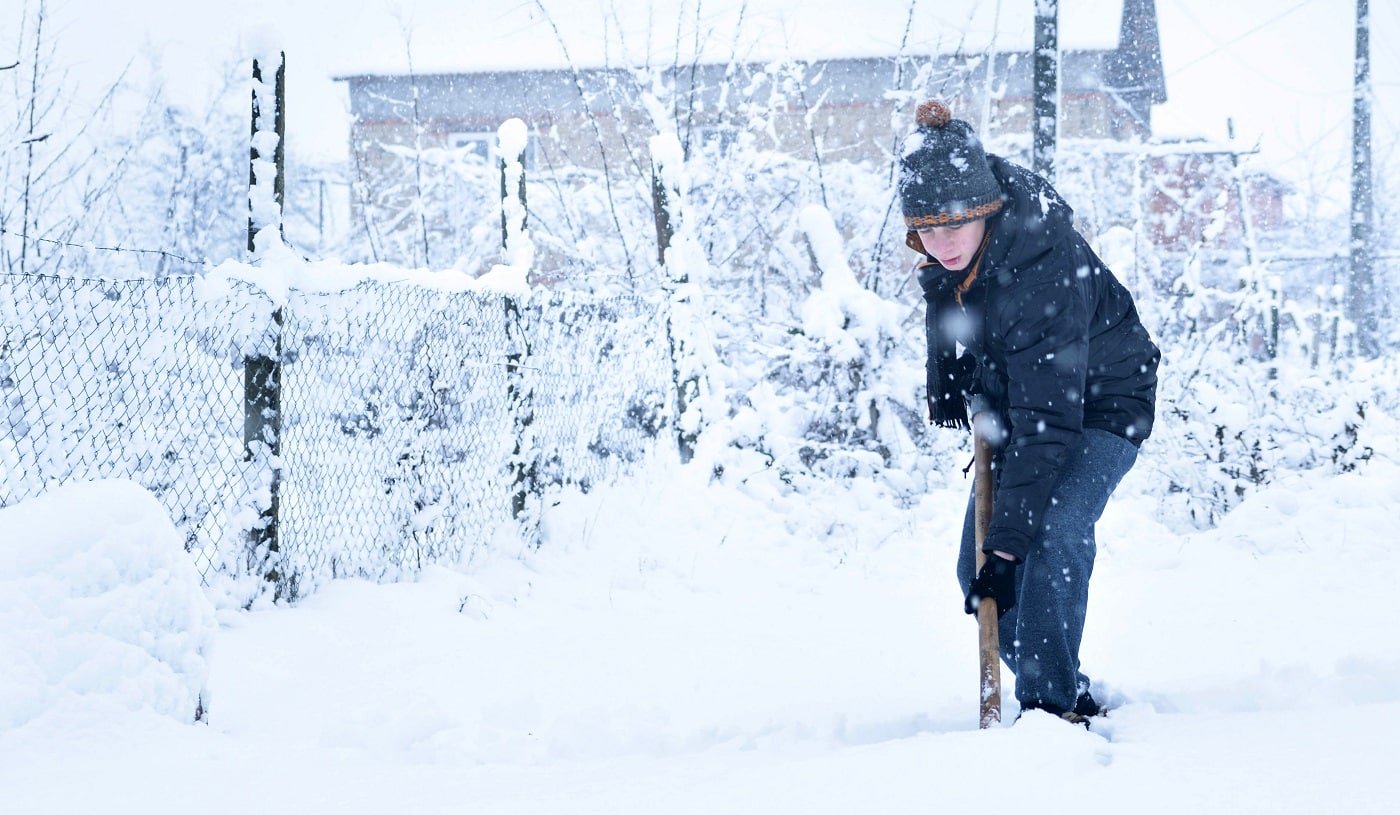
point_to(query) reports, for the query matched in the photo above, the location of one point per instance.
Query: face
(954, 246)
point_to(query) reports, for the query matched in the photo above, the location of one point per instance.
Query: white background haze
(1282, 71)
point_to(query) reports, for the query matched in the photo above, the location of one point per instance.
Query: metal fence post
(524, 458)
(262, 441)
(505, 196)
(1046, 81)
(279, 153)
(262, 375)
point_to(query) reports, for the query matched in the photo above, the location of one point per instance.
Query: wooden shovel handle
(988, 635)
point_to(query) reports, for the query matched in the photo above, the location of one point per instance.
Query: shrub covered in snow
(100, 610)
(825, 397)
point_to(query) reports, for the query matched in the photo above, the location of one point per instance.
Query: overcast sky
(1280, 69)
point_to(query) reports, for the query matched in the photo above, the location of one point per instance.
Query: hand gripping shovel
(988, 637)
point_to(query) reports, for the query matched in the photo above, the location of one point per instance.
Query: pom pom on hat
(933, 113)
(944, 176)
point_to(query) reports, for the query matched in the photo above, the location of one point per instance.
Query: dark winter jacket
(1057, 345)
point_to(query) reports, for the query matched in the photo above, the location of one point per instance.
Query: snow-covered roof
(839, 81)
(485, 35)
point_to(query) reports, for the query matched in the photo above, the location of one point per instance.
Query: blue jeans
(1040, 635)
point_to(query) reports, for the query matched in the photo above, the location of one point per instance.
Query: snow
(264, 208)
(101, 610)
(681, 644)
(737, 634)
(849, 318)
(280, 271)
(668, 159)
(512, 137)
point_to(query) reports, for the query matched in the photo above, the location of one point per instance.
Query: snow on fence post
(667, 171)
(511, 141)
(517, 249)
(519, 255)
(520, 395)
(262, 375)
(267, 151)
(661, 200)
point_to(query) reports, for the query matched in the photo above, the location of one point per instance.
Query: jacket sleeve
(1045, 328)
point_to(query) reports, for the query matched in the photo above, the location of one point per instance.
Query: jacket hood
(1033, 219)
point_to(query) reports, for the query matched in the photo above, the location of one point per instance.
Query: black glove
(997, 580)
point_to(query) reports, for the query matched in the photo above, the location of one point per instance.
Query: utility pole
(1361, 306)
(1046, 87)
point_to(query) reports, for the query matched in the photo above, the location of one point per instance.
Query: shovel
(988, 635)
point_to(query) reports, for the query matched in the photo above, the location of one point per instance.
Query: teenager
(1054, 360)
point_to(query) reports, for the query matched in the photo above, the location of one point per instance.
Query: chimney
(1133, 72)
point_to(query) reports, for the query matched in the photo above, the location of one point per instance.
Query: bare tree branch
(597, 135)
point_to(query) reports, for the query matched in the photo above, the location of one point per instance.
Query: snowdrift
(101, 609)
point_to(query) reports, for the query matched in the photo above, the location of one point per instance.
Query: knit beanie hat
(944, 177)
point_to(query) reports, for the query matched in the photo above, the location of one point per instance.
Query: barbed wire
(88, 247)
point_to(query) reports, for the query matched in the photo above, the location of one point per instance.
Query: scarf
(949, 376)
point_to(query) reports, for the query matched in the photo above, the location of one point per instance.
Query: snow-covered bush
(1247, 389)
(815, 389)
(100, 610)
(836, 395)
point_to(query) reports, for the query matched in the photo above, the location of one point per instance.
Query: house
(833, 109)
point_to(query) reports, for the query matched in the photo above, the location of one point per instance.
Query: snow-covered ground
(681, 646)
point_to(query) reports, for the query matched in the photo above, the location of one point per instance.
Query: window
(714, 140)
(482, 145)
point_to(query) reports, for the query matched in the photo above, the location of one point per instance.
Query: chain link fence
(416, 425)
